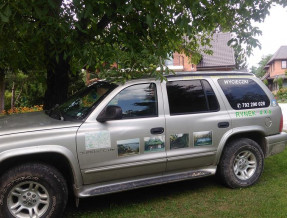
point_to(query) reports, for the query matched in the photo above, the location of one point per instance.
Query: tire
(241, 164)
(32, 189)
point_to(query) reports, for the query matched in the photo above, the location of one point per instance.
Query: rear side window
(191, 96)
(244, 93)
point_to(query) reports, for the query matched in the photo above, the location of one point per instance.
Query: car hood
(31, 122)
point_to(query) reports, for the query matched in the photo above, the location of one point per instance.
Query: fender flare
(72, 160)
(232, 132)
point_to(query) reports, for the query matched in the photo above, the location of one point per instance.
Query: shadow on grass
(140, 196)
(203, 197)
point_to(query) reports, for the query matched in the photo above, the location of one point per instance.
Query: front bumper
(275, 144)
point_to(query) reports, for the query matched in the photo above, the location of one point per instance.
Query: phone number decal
(251, 104)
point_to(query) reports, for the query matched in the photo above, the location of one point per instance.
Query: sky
(274, 34)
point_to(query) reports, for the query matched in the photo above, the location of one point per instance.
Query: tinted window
(244, 93)
(137, 101)
(211, 98)
(190, 96)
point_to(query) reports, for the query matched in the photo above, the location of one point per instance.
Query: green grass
(205, 197)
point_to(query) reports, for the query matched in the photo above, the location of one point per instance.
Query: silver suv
(115, 137)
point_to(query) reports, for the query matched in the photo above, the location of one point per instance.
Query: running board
(94, 190)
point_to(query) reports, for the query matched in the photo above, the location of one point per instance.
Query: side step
(94, 190)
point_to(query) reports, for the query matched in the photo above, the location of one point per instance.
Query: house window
(284, 64)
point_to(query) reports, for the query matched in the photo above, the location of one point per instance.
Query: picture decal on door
(128, 147)
(202, 138)
(180, 140)
(154, 144)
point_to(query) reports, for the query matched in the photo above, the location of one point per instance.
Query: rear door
(196, 120)
(132, 147)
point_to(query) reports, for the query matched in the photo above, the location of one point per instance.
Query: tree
(259, 71)
(2, 90)
(240, 59)
(280, 82)
(253, 70)
(24, 89)
(137, 35)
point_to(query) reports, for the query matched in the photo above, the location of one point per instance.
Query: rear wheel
(32, 190)
(242, 163)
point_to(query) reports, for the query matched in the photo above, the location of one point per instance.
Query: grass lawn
(196, 198)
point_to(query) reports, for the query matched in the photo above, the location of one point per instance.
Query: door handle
(223, 124)
(157, 130)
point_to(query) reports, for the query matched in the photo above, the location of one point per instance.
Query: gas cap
(268, 122)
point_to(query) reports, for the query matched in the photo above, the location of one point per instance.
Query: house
(276, 68)
(222, 59)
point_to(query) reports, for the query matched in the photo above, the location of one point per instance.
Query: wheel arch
(57, 156)
(255, 134)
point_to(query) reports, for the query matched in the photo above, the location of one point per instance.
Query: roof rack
(209, 73)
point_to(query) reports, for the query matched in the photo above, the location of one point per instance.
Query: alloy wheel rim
(245, 165)
(28, 200)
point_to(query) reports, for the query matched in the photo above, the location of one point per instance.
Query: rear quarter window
(244, 93)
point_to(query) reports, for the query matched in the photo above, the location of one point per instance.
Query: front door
(129, 148)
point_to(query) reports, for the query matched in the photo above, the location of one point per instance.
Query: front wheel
(32, 190)
(242, 163)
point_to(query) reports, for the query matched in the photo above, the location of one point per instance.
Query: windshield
(82, 103)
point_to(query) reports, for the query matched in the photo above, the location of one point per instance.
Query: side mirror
(110, 112)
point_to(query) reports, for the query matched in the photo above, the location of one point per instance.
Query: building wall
(275, 69)
(182, 60)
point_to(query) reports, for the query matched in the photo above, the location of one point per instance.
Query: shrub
(281, 95)
(19, 110)
(280, 82)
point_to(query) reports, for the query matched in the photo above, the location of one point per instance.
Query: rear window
(244, 93)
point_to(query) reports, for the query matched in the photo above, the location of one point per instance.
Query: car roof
(210, 73)
(193, 74)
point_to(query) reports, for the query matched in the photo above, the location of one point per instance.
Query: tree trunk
(2, 90)
(13, 97)
(57, 81)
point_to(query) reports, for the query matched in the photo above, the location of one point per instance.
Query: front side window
(244, 93)
(284, 64)
(137, 101)
(191, 96)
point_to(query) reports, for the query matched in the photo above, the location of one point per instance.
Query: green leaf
(7, 11)
(52, 3)
(149, 20)
(4, 18)
(129, 8)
